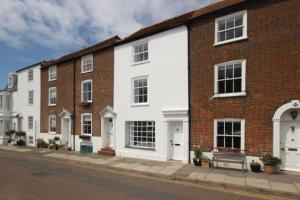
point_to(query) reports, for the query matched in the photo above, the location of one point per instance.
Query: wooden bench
(229, 156)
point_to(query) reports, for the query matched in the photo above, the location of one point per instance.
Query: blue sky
(34, 30)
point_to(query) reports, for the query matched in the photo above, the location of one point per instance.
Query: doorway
(175, 132)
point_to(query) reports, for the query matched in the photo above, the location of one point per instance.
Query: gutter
(189, 88)
(74, 101)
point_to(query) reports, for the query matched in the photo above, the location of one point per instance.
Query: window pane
(237, 128)
(239, 20)
(221, 25)
(221, 87)
(221, 72)
(229, 23)
(229, 86)
(220, 141)
(222, 36)
(237, 142)
(228, 142)
(228, 128)
(238, 32)
(230, 34)
(229, 71)
(238, 70)
(237, 85)
(220, 130)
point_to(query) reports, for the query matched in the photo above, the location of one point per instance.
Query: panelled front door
(65, 131)
(290, 145)
(175, 130)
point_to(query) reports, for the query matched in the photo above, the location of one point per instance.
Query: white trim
(49, 91)
(243, 87)
(90, 56)
(49, 125)
(81, 123)
(230, 120)
(49, 73)
(86, 81)
(141, 42)
(244, 36)
(133, 104)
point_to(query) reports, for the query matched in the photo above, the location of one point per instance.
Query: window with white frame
(1, 102)
(231, 27)
(86, 124)
(30, 75)
(140, 52)
(86, 91)
(141, 134)
(229, 134)
(52, 96)
(30, 97)
(30, 122)
(52, 124)
(52, 73)
(230, 78)
(140, 91)
(87, 63)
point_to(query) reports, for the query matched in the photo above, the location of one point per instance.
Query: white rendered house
(151, 97)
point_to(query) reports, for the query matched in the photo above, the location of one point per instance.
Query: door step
(107, 152)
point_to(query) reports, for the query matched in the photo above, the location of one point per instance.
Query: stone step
(107, 152)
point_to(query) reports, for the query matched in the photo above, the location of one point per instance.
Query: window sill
(239, 94)
(52, 80)
(87, 72)
(52, 133)
(139, 104)
(230, 41)
(140, 63)
(140, 148)
(52, 105)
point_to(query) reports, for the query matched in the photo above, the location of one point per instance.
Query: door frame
(65, 114)
(108, 113)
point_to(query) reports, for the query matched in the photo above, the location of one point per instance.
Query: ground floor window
(229, 134)
(4, 126)
(52, 124)
(86, 124)
(141, 134)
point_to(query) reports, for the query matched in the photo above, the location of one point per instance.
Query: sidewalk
(286, 184)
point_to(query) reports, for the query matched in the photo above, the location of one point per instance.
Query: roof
(97, 47)
(28, 67)
(179, 20)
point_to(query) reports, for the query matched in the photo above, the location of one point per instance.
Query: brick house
(74, 90)
(244, 90)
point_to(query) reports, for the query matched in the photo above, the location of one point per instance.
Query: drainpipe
(74, 101)
(189, 88)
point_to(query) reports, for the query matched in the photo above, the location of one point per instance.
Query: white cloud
(67, 24)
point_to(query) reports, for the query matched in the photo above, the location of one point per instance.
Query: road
(23, 177)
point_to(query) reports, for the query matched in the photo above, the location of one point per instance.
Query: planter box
(270, 169)
(205, 164)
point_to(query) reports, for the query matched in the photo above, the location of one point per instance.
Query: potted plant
(270, 163)
(40, 143)
(197, 155)
(21, 138)
(206, 162)
(55, 142)
(10, 133)
(255, 166)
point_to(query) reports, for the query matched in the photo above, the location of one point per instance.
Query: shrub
(9, 133)
(270, 160)
(20, 133)
(40, 143)
(56, 138)
(197, 152)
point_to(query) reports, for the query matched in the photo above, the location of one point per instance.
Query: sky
(35, 30)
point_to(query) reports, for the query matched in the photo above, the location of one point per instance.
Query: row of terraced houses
(224, 77)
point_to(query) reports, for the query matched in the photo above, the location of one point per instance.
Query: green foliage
(56, 138)
(198, 152)
(270, 160)
(20, 133)
(10, 132)
(205, 158)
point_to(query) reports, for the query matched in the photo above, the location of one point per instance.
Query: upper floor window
(52, 73)
(52, 124)
(30, 75)
(140, 52)
(140, 91)
(30, 122)
(87, 63)
(229, 133)
(52, 96)
(86, 91)
(31, 97)
(230, 79)
(12, 78)
(86, 124)
(231, 28)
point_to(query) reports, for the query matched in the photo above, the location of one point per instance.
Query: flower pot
(270, 169)
(255, 168)
(197, 162)
(205, 164)
(56, 147)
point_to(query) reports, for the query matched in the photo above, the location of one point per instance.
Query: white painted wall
(20, 101)
(167, 72)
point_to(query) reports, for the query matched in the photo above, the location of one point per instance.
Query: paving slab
(258, 183)
(123, 165)
(198, 176)
(217, 178)
(297, 185)
(283, 187)
(154, 169)
(170, 170)
(238, 181)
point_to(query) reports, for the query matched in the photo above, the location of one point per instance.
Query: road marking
(183, 183)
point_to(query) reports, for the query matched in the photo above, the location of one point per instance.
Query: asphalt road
(23, 177)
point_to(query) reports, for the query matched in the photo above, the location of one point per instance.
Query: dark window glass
(228, 128)
(221, 72)
(229, 86)
(221, 86)
(237, 142)
(228, 142)
(220, 141)
(237, 85)
(220, 128)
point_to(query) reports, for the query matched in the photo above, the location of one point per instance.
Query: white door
(175, 130)
(110, 133)
(65, 130)
(290, 145)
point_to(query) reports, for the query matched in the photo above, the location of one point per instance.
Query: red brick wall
(102, 77)
(272, 53)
